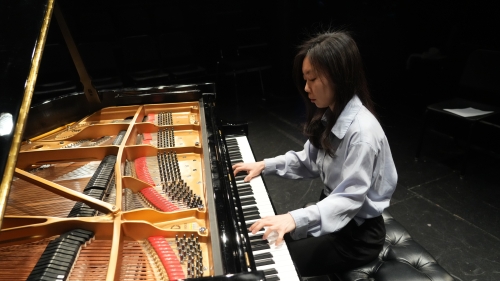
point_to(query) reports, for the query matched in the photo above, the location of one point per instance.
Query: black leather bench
(402, 259)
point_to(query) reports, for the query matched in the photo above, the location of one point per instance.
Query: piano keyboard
(274, 260)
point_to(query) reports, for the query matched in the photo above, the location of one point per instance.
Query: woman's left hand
(282, 224)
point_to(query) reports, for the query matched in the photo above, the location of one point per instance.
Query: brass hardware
(23, 112)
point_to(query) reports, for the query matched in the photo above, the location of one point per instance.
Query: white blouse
(359, 180)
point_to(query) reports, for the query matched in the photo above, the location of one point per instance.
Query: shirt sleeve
(294, 165)
(336, 210)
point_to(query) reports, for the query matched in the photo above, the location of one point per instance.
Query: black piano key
(270, 271)
(258, 242)
(272, 278)
(250, 209)
(244, 188)
(258, 247)
(252, 212)
(244, 185)
(256, 237)
(247, 199)
(251, 217)
(263, 256)
(248, 202)
(245, 193)
(235, 156)
(264, 262)
(240, 176)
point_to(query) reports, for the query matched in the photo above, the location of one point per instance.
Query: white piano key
(281, 256)
(285, 273)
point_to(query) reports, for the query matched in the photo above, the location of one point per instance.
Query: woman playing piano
(347, 149)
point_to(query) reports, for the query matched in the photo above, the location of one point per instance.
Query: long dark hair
(336, 56)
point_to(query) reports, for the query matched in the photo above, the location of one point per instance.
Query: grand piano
(124, 183)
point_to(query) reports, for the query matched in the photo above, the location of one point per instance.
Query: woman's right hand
(253, 169)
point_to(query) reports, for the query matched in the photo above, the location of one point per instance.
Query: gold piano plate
(174, 114)
(59, 173)
(166, 136)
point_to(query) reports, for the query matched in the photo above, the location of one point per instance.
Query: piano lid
(23, 29)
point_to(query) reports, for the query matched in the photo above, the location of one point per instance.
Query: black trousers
(350, 247)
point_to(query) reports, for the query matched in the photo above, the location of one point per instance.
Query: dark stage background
(414, 53)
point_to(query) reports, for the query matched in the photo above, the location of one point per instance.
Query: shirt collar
(346, 117)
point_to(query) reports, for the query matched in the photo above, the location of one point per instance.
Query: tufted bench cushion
(402, 259)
